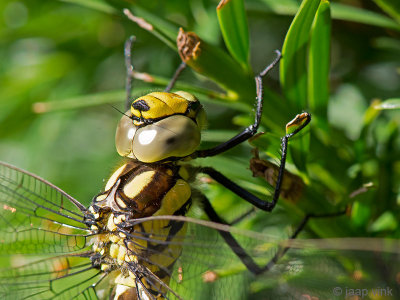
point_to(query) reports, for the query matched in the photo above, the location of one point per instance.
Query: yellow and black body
(134, 237)
(158, 126)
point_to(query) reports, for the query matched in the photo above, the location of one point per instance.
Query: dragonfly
(135, 240)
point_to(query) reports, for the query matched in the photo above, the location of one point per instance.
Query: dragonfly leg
(130, 73)
(243, 216)
(129, 70)
(249, 131)
(241, 192)
(174, 78)
(241, 252)
(282, 251)
(303, 120)
(229, 239)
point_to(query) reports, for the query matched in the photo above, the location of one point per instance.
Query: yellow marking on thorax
(184, 173)
(136, 185)
(175, 198)
(120, 202)
(114, 177)
(171, 202)
(101, 197)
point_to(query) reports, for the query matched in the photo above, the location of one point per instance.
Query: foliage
(340, 63)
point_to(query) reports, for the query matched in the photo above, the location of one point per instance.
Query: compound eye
(176, 135)
(124, 136)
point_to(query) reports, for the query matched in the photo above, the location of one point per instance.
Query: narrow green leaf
(371, 113)
(388, 104)
(99, 5)
(162, 29)
(339, 12)
(282, 7)
(392, 8)
(294, 73)
(293, 63)
(80, 101)
(319, 62)
(119, 96)
(386, 221)
(233, 23)
(215, 64)
(355, 14)
(387, 43)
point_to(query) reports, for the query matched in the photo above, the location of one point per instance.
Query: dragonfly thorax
(122, 245)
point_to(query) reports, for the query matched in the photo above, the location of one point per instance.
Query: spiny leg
(229, 239)
(241, 253)
(130, 73)
(249, 131)
(129, 69)
(242, 216)
(282, 251)
(174, 78)
(303, 120)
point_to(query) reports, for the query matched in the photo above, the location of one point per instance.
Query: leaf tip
(298, 122)
(140, 21)
(222, 3)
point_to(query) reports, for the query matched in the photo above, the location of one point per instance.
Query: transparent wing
(45, 253)
(62, 277)
(209, 268)
(43, 250)
(37, 217)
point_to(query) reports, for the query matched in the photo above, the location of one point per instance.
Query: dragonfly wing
(43, 252)
(310, 269)
(37, 217)
(46, 253)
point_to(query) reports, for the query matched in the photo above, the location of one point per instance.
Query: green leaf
(233, 23)
(388, 104)
(391, 7)
(215, 64)
(319, 61)
(355, 14)
(339, 12)
(119, 96)
(81, 101)
(371, 113)
(99, 5)
(293, 63)
(294, 73)
(162, 29)
(386, 221)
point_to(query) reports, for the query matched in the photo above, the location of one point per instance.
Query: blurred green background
(69, 55)
(66, 57)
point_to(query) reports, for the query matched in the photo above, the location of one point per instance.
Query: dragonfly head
(160, 125)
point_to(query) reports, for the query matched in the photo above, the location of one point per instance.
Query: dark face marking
(141, 105)
(193, 105)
